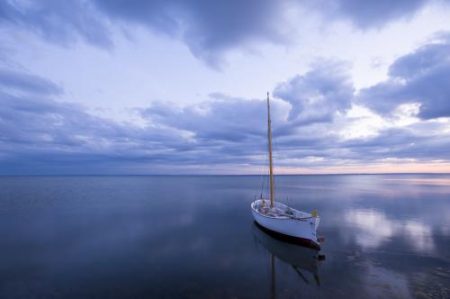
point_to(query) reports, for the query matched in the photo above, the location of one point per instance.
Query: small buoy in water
(321, 257)
(321, 239)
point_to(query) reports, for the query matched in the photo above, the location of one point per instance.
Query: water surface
(194, 237)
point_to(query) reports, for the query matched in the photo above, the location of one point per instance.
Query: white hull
(297, 224)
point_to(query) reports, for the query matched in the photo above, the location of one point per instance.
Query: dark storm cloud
(420, 77)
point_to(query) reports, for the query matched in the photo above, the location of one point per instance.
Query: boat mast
(269, 134)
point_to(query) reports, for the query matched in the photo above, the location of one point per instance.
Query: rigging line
(275, 150)
(262, 185)
(264, 169)
(269, 135)
(267, 170)
(263, 175)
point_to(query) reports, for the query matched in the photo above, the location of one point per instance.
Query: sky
(179, 86)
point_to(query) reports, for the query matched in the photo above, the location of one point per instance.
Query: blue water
(386, 236)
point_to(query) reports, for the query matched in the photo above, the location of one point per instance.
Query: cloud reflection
(374, 228)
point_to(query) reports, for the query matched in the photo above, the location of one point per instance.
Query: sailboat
(279, 218)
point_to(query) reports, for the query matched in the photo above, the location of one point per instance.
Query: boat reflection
(304, 260)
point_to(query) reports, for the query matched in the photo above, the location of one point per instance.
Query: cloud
(61, 22)
(19, 81)
(373, 228)
(423, 60)
(39, 134)
(420, 77)
(223, 130)
(222, 118)
(319, 94)
(209, 29)
(423, 141)
(369, 14)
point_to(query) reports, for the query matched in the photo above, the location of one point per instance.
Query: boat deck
(275, 212)
(279, 210)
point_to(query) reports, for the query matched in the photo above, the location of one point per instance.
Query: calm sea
(386, 236)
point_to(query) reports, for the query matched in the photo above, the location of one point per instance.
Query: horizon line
(232, 174)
